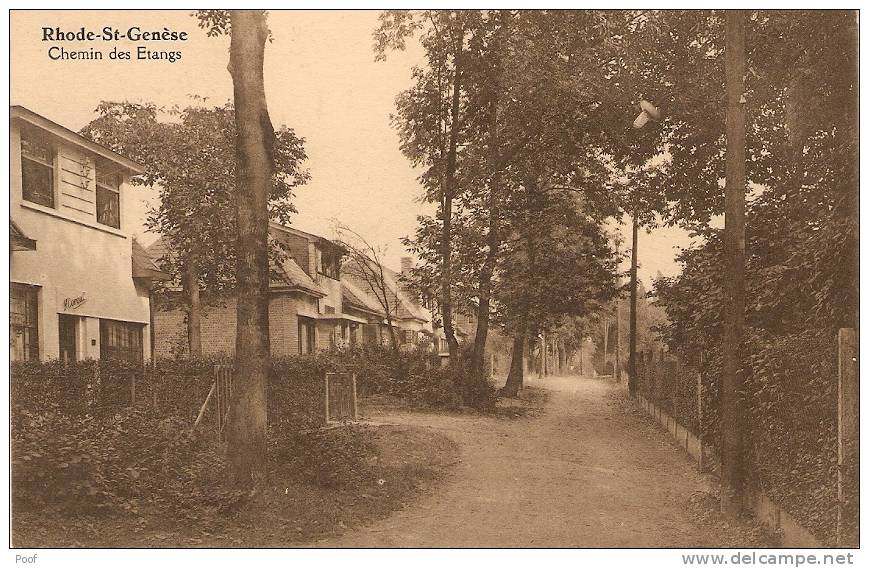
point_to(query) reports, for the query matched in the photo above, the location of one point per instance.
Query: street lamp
(648, 112)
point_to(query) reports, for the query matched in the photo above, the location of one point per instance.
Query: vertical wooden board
(847, 533)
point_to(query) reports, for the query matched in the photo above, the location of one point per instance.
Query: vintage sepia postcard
(435, 278)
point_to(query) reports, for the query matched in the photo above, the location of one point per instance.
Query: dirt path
(588, 472)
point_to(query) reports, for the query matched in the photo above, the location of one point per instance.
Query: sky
(321, 80)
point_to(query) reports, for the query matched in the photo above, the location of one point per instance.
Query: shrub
(52, 385)
(130, 460)
(58, 461)
(791, 405)
(329, 458)
(295, 393)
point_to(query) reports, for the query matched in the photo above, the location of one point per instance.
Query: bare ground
(591, 471)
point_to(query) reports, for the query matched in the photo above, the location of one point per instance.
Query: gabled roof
(408, 307)
(21, 113)
(357, 299)
(277, 228)
(143, 265)
(288, 275)
(405, 308)
(291, 275)
(18, 240)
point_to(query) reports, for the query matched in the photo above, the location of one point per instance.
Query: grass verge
(404, 463)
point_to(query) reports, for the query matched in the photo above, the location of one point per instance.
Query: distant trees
(557, 264)
(529, 112)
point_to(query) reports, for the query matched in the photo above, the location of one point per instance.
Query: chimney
(406, 265)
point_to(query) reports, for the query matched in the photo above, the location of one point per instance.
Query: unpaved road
(588, 472)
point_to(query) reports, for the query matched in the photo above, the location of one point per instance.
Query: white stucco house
(79, 284)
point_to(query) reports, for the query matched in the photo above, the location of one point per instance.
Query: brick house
(307, 309)
(411, 320)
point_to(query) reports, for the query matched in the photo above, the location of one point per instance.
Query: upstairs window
(37, 171)
(109, 199)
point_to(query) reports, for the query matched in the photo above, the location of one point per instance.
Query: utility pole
(648, 111)
(632, 341)
(606, 334)
(618, 369)
(732, 414)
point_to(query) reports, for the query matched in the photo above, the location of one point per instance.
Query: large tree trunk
(732, 414)
(516, 376)
(246, 429)
(562, 357)
(449, 192)
(493, 239)
(194, 310)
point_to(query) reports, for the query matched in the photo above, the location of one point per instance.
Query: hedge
(79, 444)
(791, 405)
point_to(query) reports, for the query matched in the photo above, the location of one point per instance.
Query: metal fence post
(355, 403)
(848, 507)
(327, 397)
(700, 464)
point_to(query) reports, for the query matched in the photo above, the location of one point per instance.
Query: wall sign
(74, 303)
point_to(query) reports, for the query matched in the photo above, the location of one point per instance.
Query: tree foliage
(189, 156)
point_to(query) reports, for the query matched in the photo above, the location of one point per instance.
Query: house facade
(307, 311)
(80, 285)
(316, 303)
(411, 321)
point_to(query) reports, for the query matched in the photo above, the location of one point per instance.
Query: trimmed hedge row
(791, 402)
(100, 437)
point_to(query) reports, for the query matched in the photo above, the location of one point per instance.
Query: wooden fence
(219, 396)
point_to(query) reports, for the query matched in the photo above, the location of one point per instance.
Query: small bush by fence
(108, 436)
(791, 405)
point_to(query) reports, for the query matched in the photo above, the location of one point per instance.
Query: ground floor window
(306, 336)
(410, 337)
(24, 323)
(121, 340)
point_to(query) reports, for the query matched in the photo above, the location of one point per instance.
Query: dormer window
(329, 264)
(109, 199)
(37, 171)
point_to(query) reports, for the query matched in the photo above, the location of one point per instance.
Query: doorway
(67, 331)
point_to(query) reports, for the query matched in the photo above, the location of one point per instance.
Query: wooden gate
(341, 397)
(219, 397)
